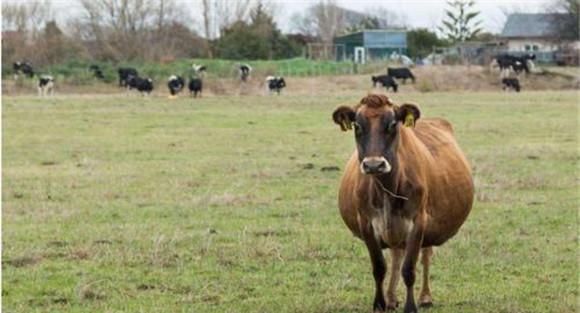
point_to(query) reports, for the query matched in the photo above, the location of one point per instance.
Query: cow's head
(377, 123)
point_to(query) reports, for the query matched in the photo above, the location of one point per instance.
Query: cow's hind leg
(396, 258)
(379, 268)
(425, 299)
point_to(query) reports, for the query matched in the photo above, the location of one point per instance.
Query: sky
(424, 13)
(417, 13)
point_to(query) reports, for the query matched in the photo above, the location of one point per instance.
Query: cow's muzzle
(375, 165)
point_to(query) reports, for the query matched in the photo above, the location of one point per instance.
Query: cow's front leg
(396, 259)
(379, 267)
(413, 247)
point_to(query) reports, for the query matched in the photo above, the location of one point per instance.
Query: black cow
(511, 83)
(275, 83)
(245, 71)
(385, 80)
(97, 72)
(143, 85)
(22, 68)
(45, 85)
(401, 73)
(124, 74)
(195, 86)
(175, 84)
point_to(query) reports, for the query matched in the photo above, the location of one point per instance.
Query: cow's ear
(344, 117)
(408, 114)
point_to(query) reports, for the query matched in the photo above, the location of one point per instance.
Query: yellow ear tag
(410, 120)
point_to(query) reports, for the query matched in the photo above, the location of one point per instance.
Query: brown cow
(406, 187)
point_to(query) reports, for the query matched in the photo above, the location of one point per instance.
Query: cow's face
(376, 122)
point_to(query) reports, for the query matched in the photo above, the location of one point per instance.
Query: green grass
(130, 204)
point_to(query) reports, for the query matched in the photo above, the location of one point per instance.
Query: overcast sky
(417, 13)
(423, 13)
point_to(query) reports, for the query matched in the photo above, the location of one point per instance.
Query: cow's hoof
(426, 304)
(410, 308)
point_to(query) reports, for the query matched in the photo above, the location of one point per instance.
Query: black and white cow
(195, 86)
(97, 72)
(401, 73)
(143, 85)
(175, 84)
(511, 83)
(124, 74)
(45, 85)
(245, 71)
(199, 69)
(518, 64)
(275, 83)
(22, 68)
(386, 81)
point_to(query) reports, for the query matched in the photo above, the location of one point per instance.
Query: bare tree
(27, 17)
(324, 20)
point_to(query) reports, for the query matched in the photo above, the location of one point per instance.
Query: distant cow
(245, 71)
(175, 84)
(407, 187)
(198, 69)
(385, 80)
(124, 74)
(45, 85)
(22, 68)
(518, 64)
(511, 83)
(275, 83)
(195, 86)
(143, 85)
(97, 72)
(401, 73)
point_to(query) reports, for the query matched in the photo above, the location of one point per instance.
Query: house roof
(525, 25)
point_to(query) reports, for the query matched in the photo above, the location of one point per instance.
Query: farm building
(534, 33)
(371, 44)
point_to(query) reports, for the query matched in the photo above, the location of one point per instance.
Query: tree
(324, 20)
(460, 24)
(420, 42)
(257, 39)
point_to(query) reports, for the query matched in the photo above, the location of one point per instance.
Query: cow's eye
(391, 126)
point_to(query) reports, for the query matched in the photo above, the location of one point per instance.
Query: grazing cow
(124, 74)
(143, 85)
(401, 73)
(195, 86)
(245, 71)
(175, 84)
(516, 63)
(97, 72)
(45, 85)
(511, 83)
(385, 80)
(22, 68)
(275, 83)
(407, 187)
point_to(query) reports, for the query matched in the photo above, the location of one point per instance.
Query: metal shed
(375, 44)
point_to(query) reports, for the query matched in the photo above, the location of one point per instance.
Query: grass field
(130, 204)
